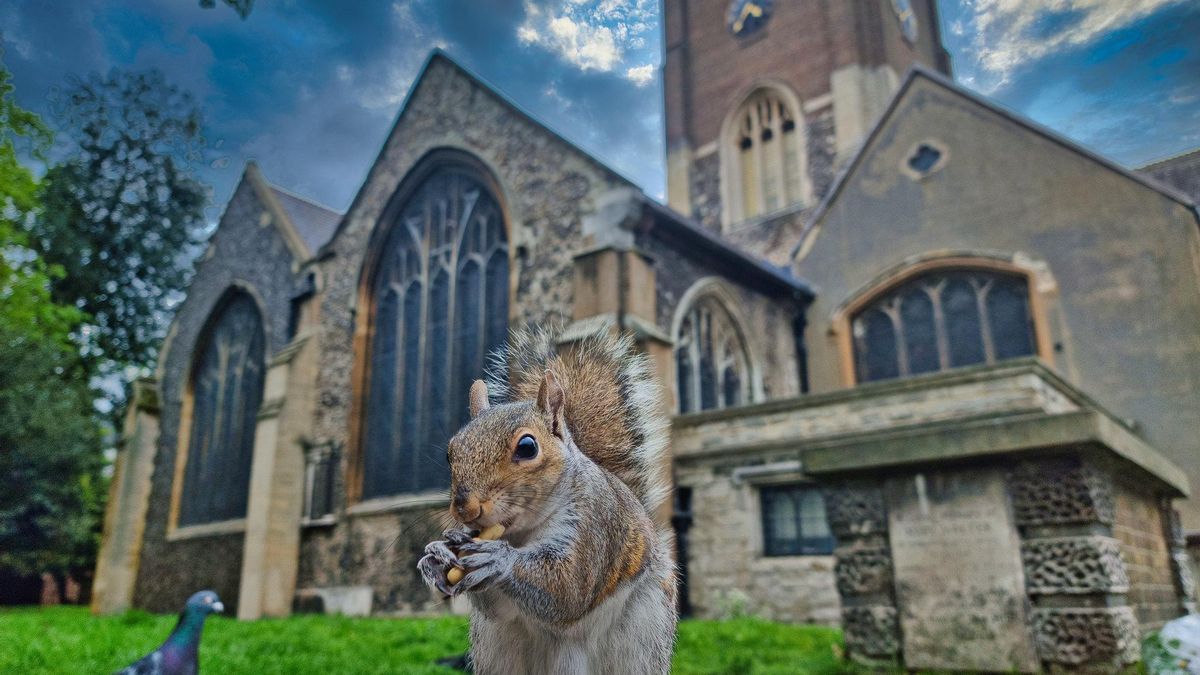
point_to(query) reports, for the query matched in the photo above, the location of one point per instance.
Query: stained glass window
(710, 359)
(226, 388)
(441, 305)
(943, 320)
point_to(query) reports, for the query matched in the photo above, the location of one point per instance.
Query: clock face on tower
(908, 20)
(747, 16)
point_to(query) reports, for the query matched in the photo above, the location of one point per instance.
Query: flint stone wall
(247, 249)
(547, 188)
(727, 571)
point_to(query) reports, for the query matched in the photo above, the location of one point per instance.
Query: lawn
(70, 640)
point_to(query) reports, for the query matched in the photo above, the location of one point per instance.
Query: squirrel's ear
(550, 400)
(479, 398)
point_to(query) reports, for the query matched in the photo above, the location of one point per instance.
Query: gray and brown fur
(582, 581)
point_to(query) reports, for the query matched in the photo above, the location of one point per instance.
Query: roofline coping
(438, 53)
(916, 71)
(781, 277)
(278, 214)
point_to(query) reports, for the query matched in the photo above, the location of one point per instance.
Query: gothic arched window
(942, 320)
(766, 146)
(226, 391)
(711, 367)
(440, 305)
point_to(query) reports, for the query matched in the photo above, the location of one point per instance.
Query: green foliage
(1158, 659)
(49, 458)
(68, 640)
(750, 645)
(49, 439)
(123, 214)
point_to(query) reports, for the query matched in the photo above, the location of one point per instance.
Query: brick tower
(765, 97)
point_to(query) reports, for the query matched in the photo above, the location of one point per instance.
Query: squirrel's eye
(527, 448)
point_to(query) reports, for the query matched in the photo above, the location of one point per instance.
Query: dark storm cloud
(309, 88)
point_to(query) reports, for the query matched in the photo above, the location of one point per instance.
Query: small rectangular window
(318, 483)
(794, 523)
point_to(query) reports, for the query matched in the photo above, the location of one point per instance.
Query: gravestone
(960, 587)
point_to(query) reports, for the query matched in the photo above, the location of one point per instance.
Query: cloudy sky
(309, 88)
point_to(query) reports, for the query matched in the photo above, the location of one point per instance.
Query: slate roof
(1181, 172)
(314, 223)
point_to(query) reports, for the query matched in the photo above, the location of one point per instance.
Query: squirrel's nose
(466, 506)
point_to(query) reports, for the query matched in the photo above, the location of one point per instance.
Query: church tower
(765, 98)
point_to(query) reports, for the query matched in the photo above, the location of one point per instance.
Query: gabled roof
(1187, 157)
(437, 54)
(917, 72)
(746, 268)
(314, 223)
(679, 227)
(305, 225)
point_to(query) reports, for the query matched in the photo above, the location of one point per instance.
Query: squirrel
(571, 465)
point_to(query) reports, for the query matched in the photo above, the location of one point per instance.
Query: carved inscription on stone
(960, 590)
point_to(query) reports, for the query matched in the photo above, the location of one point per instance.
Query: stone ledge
(236, 526)
(868, 390)
(1085, 431)
(422, 500)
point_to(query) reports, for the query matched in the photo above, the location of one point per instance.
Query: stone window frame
(433, 161)
(318, 456)
(733, 200)
(748, 482)
(175, 531)
(1039, 282)
(714, 292)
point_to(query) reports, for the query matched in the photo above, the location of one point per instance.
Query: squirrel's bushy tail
(614, 406)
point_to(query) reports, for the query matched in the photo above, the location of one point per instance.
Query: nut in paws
(485, 563)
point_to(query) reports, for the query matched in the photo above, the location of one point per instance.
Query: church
(865, 278)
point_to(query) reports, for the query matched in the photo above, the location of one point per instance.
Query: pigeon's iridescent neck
(187, 631)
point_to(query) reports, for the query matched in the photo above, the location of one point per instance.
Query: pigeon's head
(206, 602)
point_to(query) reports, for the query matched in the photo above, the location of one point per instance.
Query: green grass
(70, 640)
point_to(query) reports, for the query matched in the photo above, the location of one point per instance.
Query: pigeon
(179, 653)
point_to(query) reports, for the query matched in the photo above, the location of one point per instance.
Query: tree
(122, 216)
(50, 456)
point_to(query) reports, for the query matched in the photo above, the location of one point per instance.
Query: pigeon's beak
(218, 606)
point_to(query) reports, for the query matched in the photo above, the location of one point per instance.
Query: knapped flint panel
(855, 509)
(1077, 636)
(1090, 564)
(1060, 492)
(864, 568)
(871, 631)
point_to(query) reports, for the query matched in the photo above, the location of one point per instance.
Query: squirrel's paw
(456, 537)
(485, 562)
(437, 562)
